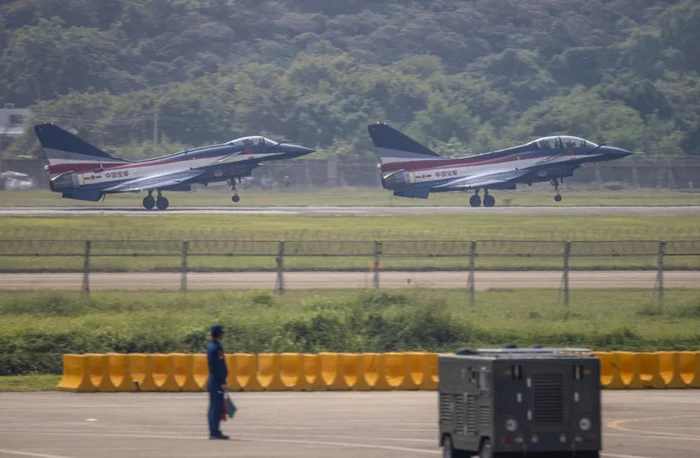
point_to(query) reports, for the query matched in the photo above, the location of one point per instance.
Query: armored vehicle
(535, 403)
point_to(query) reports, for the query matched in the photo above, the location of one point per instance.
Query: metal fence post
(183, 267)
(470, 279)
(86, 268)
(280, 268)
(377, 253)
(660, 273)
(567, 251)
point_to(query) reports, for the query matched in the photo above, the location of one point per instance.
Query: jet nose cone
(617, 153)
(298, 150)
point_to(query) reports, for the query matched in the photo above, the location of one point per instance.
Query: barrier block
(353, 372)
(99, 373)
(245, 368)
(670, 369)
(649, 374)
(163, 374)
(373, 365)
(418, 368)
(312, 372)
(629, 364)
(689, 368)
(292, 371)
(430, 378)
(76, 374)
(332, 371)
(231, 367)
(269, 372)
(397, 372)
(120, 372)
(200, 370)
(183, 371)
(609, 371)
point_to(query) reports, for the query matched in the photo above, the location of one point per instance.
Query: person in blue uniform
(216, 384)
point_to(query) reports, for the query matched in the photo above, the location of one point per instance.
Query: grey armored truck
(535, 403)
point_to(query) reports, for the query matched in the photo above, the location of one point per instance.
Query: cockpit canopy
(252, 141)
(563, 141)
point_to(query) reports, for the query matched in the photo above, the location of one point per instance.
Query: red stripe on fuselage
(81, 167)
(432, 164)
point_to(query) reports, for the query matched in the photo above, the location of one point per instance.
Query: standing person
(216, 385)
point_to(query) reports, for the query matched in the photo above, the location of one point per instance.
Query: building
(12, 120)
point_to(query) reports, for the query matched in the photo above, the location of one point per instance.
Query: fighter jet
(410, 169)
(81, 171)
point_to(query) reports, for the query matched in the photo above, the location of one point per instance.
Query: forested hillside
(462, 76)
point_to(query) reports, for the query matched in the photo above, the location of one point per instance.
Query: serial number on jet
(446, 173)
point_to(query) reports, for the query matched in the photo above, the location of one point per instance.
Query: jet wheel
(149, 202)
(489, 201)
(235, 198)
(475, 201)
(557, 198)
(162, 203)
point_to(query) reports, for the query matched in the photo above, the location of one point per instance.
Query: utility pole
(155, 129)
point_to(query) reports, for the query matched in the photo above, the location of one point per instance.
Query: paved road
(333, 280)
(649, 424)
(360, 211)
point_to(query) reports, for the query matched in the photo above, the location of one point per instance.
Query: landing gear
(232, 183)
(149, 202)
(555, 183)
(475, 200)
(161, 202)
(489, 200)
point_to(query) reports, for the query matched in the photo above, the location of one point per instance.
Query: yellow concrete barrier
(431, 379)
(200, 370)
(120, 371)
(99, 373)
(373, 364)
(312, 372)
(609, 371)
(629, 365)
(291, 368)
(332, 371)
(76, 374)
(396, 372)
(142, 372)
(649, 375)
(183, 371)
(246, 371)
(669, 369)
(689, 368)
(163, 374)
(353, 372)
(269, 372)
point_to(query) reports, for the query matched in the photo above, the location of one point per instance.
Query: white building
(12, 120)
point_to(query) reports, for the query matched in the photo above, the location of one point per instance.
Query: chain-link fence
(311, 264)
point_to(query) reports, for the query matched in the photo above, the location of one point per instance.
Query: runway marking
(36, 455)
(617, 426)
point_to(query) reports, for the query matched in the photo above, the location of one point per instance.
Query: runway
(483, 281)
(356, 211)
(637, 424)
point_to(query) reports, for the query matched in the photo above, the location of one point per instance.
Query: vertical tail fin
(393, 146)
(66, 152)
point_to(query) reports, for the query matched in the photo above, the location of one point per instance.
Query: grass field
(535, 196)
(17, 383)
(36, 328)
(229, 242)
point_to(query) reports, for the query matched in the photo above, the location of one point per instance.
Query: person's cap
(217, 330)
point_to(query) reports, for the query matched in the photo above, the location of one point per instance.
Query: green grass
(19, 383)
(211, 247)
(535, 196)
(36, 328)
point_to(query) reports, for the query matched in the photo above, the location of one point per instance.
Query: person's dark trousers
(216, 407)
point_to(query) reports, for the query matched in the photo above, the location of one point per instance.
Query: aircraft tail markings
(393, 146)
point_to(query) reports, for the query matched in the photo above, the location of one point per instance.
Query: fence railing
(372, 257)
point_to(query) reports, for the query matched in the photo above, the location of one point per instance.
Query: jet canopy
(563, 141)
(252, 141)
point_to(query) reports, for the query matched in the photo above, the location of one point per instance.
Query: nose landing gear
(232, 183)
(555, 182)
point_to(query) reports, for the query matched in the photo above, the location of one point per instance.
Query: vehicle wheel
(489, 201)
(447, 450)
(557, 198)
(149, 202)
(162, 203)
(475, 201)
(485, 450)
(235, 198)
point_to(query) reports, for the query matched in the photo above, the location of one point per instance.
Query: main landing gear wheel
(475, 200)
(162, 203)
(489, 200)
(235, 198)
(557, 198)
(149, 202)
